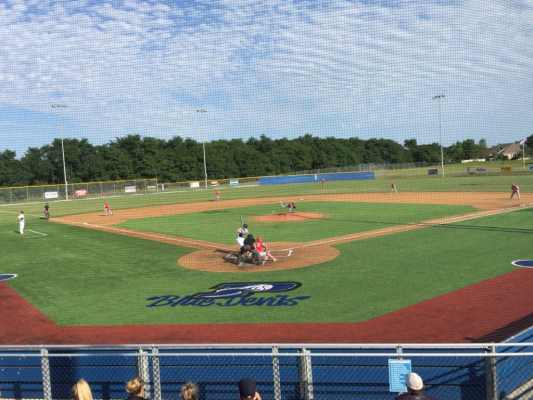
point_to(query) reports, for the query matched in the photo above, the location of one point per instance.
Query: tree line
(178, 159)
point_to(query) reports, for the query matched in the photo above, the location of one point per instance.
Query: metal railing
(282, 371)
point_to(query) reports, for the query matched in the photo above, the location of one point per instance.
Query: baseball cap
(247, 388)
(414, 381)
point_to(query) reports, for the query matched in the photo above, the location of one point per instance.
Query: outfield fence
(309, 372)
(94, 190)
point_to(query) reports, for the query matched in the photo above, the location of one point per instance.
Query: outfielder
(393, 188)
(241, 232)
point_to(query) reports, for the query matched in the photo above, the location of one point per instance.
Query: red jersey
(514, 188)
(259, 244)
(106, 206)
(393, 185)
(291, 205)
(217, 192)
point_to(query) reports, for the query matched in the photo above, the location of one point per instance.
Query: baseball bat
(242, 220)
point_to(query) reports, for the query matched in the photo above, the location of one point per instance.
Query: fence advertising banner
(433, 171)
(130, 189)
(506, 170)
(234, 182)
(195, 184)
(81, 192)
(481, 170)
(51, 195)
(151, 187)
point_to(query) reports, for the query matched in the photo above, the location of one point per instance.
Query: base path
(500, 309)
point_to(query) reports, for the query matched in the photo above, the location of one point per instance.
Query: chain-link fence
(313, 372)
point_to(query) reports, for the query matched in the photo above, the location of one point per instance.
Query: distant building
(510, 150)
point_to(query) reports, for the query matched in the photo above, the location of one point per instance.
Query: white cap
(414, 381)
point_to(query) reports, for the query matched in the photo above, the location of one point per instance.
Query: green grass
(341, 218)
(78, 276)
(82, 277)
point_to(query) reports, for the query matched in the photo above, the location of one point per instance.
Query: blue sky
(280, 68)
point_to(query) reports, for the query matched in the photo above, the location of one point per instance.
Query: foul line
(38, 233)
(145, 234)
(479, 214)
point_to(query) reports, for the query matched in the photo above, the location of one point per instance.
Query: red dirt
(499, 311)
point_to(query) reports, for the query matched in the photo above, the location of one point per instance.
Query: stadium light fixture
(203, 145)
(439, 97)
(59, 108)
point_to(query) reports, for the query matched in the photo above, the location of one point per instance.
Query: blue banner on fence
(234, 182)
(433, 171)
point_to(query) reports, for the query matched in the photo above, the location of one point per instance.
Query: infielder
(393, 188)
(21, 223)
(241, 232)
(515, 190)
(107, 209)
(46, 212)
(290, 206)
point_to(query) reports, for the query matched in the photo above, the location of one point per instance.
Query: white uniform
(21, 223)
(240, 236)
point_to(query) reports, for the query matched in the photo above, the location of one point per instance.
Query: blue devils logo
(5, 277)
(246, 289)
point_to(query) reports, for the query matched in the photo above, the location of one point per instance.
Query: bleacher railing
(285, 371)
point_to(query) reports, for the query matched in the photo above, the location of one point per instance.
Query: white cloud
(276, 66)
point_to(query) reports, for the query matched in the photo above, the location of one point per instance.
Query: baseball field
(432, 263)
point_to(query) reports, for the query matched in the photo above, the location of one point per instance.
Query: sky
(280, 68)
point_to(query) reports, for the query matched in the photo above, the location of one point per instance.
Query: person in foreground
(247, 389)
(189, 391)
(135, 388)
(415, 387)
(81, 391)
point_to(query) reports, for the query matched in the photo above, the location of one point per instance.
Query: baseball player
(107, 209)
(249, 246)
(515, 190)
(290, 206)
(393, 188)
(217, 195)
(46, 212)
(262, 249)
(241, 232)
(21, 223)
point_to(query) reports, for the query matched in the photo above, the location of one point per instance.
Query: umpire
(249, 246)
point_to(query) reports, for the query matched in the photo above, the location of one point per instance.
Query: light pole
(59, 108)
(203, 144)
(439, 97)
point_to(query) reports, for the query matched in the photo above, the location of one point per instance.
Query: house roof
(505, 148)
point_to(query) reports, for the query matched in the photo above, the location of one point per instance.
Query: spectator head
(135, 386)
(247, 388)
(414, 383)
(189, 391)
(81, 391)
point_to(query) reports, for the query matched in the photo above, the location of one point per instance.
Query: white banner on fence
(51, 195)
(81, 192)
(195, 184)
(234, 182)
(130, 189)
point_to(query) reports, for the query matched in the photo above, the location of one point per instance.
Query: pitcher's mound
(282, 217)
